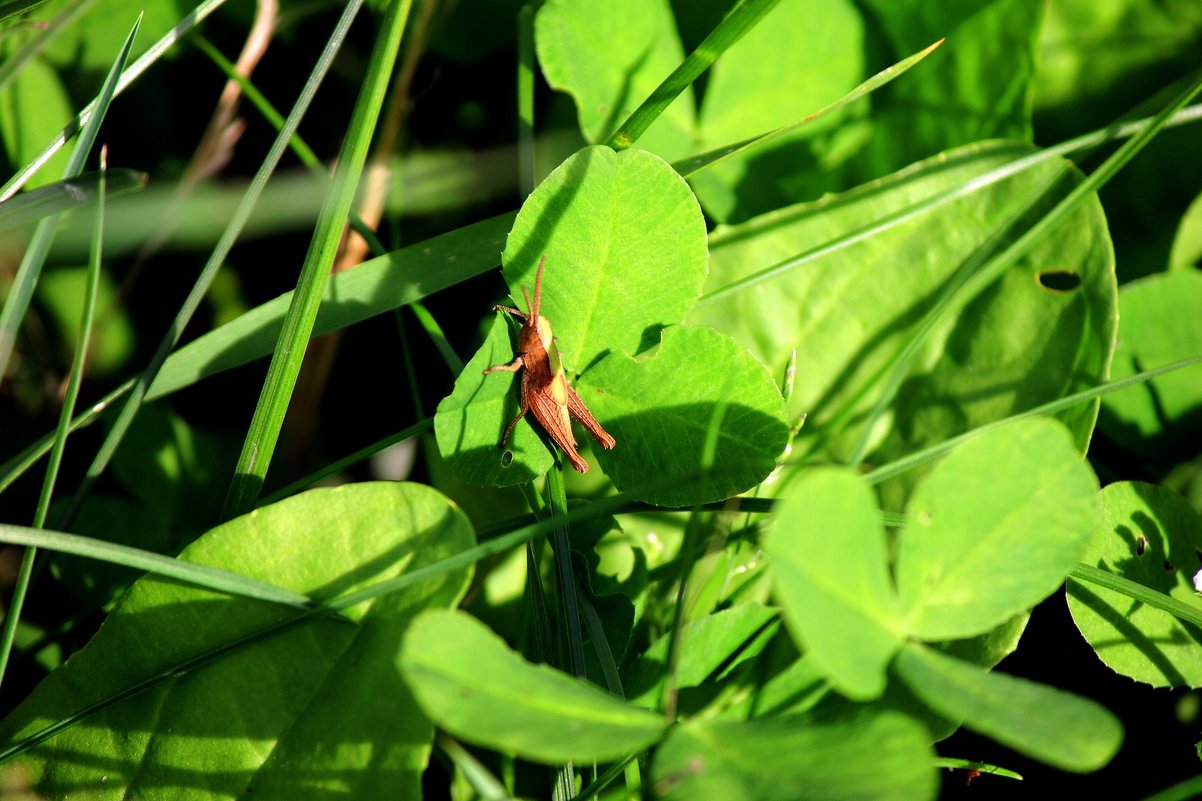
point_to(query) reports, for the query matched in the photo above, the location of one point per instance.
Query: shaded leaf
(470, 683)
(847, 313)
(1063, 730)
(308, 710)
(1151, 535)
(864, 756)
(709, 645)
(609, 55)
(660, 409)
(977, 86)
(801, 57)
(1159, 324)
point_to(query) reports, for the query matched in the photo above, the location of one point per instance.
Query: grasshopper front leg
(512, 367)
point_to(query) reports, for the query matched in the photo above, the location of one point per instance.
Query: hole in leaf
(506, 458)
(1168, 566)
(1059, 280)
(1141, 545)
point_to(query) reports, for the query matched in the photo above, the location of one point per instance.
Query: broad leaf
(1151, 535)
(858, 757)
(318, 708)
(470, 683)
(662, 408)
(830, 571)
(1064, 730)
(848, 312)
(609, 55)
(994, 529)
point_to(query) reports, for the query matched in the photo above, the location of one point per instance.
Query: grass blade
(21, 291)
(196, 296)
(298, 323)
(737, 22)
(25, 572)
(695, 164)
(211, 578)
(62, 196)
(194, 18)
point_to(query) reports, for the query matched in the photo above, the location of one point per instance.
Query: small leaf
(994, 529)
(708, 644)
(1055, 727)
(846, 301)
(1150, 535)
(660, 408)
(470, 421)
(470, 683)
(830, 572)
(863, 756)
(327, 696)
(1159, 323)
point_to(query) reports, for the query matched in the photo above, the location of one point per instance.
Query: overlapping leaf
(322, 706)
(1151, 535)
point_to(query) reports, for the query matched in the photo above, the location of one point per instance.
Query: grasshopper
(545, 389)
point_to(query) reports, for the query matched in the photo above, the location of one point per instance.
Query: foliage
(857, 330)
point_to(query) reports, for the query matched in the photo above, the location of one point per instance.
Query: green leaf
(327, 696)
(1090, 51)
(978, 86)
(709, 645)
(626, 252)
(830, 571)
(471, 684)
(803, 56)
(660, 409)
(61, 293)
(88, 45)
(1187, 242)
(864, 756)
(853, 305)
(1159, 323)
(1150, 535)
(701, 161)
(609, 55)
(625, 248)
(994, 529)
(1055, 727)
(34, 107)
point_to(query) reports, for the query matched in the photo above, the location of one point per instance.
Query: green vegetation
(892, 308)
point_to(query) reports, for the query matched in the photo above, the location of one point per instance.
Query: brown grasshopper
(545, 389)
